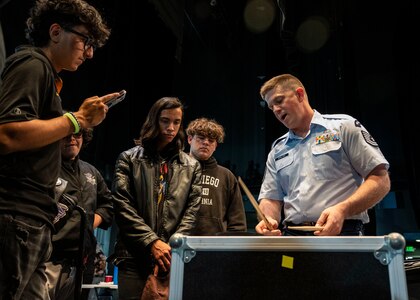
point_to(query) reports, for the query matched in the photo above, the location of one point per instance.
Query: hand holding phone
(117, 99)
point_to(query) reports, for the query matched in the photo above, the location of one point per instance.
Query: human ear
(189, 139)
(55, 30)
(300, 92)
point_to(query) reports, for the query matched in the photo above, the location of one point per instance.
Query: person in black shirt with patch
(89, 190)
(62, 34)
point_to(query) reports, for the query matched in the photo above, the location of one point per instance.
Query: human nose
(171, 127)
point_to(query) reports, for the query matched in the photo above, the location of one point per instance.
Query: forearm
(34, 134)
(373, 189)
(271, 208)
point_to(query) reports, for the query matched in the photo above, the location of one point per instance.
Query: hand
(332, 220)
(161, 252)
(261, 227)
(93, 110)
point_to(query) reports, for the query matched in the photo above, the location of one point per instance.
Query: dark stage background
(355, 57)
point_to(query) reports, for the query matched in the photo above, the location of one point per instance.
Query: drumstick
(254, 203)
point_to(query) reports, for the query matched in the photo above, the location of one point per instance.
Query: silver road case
(263, 267)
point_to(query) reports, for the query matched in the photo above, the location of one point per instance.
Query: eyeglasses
(75, 135)
(88, 42)
(78, 135)
(201, 139)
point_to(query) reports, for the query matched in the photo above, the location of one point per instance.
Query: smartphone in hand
(117, 99)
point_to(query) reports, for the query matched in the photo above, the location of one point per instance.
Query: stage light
(259, 15)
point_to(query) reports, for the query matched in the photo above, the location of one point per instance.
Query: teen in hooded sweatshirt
(222, 209)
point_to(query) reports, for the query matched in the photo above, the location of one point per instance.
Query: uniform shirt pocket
(326, 160)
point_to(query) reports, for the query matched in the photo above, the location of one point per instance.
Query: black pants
(350, 228)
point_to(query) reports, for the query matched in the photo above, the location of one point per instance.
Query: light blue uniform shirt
(324, 168)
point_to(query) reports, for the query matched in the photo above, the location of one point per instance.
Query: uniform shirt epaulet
(337, 117)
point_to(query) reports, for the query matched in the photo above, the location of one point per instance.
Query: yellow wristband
(74, 120)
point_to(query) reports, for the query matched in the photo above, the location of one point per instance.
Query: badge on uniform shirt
(282, 156)
(327, 136)
(369, 139)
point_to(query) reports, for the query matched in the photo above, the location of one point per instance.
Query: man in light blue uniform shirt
(327, 171)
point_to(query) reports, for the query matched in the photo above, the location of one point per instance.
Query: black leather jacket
(135, 188)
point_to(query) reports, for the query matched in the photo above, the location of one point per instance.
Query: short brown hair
(286, 81)
(209, 128)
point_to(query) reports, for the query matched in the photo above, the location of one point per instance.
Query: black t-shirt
(27, 178)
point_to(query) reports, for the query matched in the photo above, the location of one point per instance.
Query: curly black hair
(67, 13)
